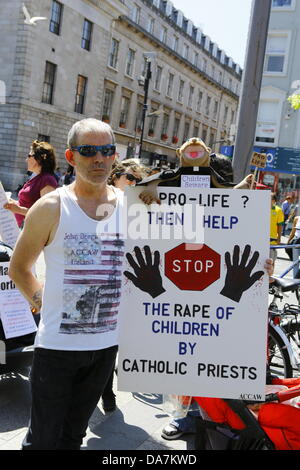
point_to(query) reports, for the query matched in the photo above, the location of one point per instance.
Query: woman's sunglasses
(92, 150)
(129, 177)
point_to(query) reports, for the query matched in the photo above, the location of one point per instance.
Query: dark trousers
(66, 387)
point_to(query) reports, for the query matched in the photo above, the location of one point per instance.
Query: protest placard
(17, 319)
(195, 293)
(9, 230)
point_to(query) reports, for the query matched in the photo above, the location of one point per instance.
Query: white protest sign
(194, 306)
(17, 319)
(9, 230)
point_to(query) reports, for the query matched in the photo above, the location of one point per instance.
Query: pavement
(136, 424)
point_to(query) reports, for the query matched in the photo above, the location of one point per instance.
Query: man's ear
(70, 157)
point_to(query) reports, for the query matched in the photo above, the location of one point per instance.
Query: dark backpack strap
(252, 437)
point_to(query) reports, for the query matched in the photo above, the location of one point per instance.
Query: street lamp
(144, 81)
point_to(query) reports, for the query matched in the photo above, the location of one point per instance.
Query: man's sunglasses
(92, 150)
(129, 177)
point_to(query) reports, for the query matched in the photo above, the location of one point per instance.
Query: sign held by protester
(259, 160)
(17, 319)
(195, 293)
(9, 230)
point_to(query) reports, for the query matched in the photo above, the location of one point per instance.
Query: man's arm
(39, 229)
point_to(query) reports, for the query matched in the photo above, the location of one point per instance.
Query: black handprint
(147, 275)
(238, 278)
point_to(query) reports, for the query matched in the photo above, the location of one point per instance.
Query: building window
(199, 101)
(191, 97)
(152, 121)
(86, 35)
(213, 70)
(207, 107)
(136, 14)
(80, 94)
(164, 34)
(176, 126)
(56, 15)
(107, 105)
(151, 24)
(276, 53)
(204, 65)
(216, 107)
(204, 134)
(175, 43)
(144, 67)
(232, 116)
(139, 117)
(113, 54)
(186, 51)
(186, 131)
(267, 125)
(125, 102)
(212, 138)
(49, 81)
(130, 62)
(180, 91)
(196, 130)
(225, 115)
(196, 59)
(158, 78)
(170, 84)
(283, 4)
(165, 126)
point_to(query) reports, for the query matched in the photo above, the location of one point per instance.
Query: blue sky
(226, 22)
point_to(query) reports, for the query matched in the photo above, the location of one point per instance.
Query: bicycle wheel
(291, 328)
(279, 360)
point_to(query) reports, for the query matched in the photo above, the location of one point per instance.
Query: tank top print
(83, 279)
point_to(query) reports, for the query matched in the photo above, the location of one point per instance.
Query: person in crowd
(76, 342)
(125, 173)
(58, 174)
(294, 237)
(276, 225)
(286, 208)
(69, 176)
(42, 162)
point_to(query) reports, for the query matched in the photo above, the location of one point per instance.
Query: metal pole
(145, 106)
(252, 77)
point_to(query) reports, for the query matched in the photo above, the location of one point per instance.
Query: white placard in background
(16, 316)
(9, 230)
(195, 323)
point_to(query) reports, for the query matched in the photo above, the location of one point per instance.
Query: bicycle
(283, 331)
(293, 266)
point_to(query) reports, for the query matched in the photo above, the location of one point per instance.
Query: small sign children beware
(194, 306)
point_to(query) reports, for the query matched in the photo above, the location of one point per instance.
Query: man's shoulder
(48, 206)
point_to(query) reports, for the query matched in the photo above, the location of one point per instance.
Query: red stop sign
(191, 266)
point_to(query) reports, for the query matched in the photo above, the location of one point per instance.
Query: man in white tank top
(77, 227)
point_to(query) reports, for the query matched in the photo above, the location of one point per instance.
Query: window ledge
(112, 68)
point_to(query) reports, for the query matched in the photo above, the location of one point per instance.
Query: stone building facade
(85, 61)
(278, 125)
(40, 100)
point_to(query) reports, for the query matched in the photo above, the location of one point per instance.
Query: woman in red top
(41, 161)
